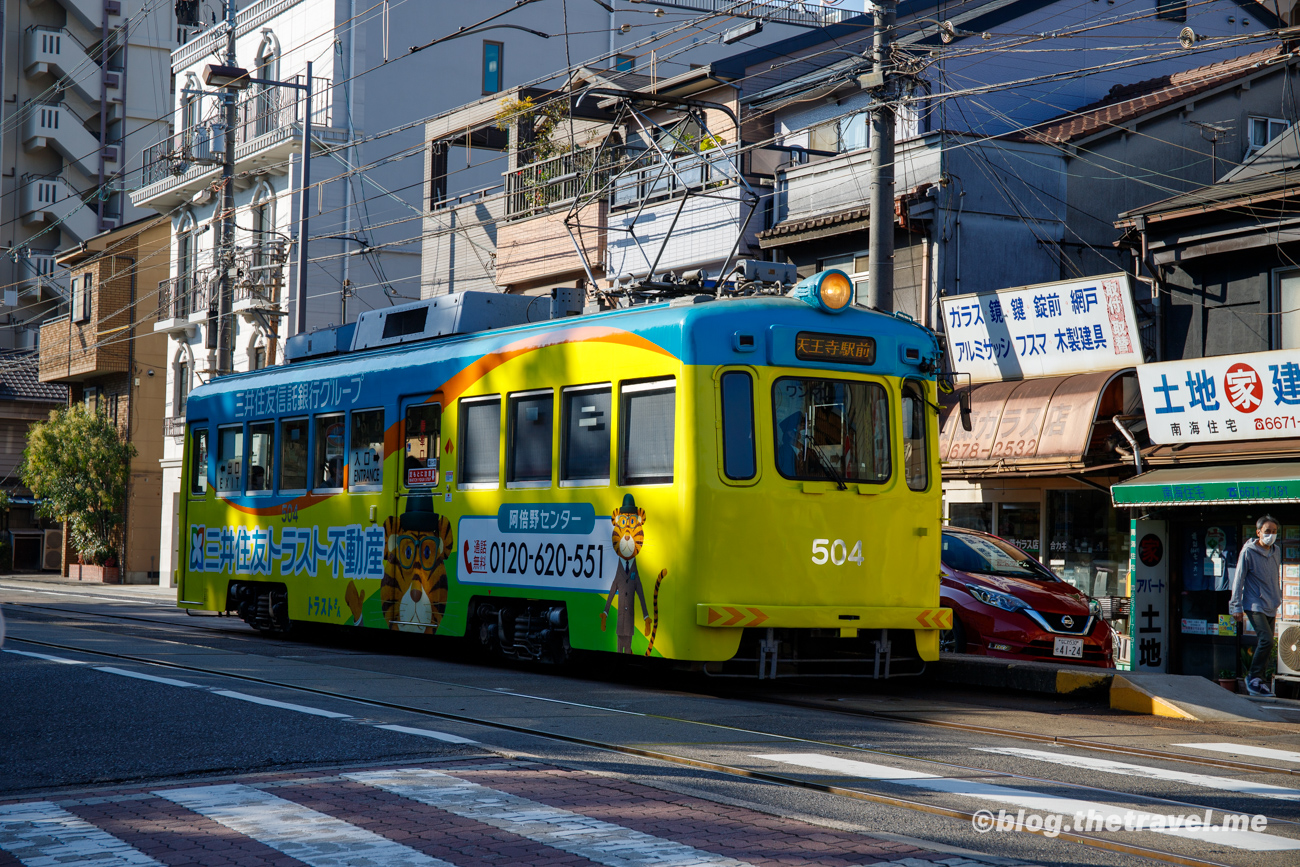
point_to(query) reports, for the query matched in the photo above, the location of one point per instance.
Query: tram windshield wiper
(826, 464)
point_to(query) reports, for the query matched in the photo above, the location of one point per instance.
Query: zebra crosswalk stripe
(300, 832)
(593, 839)
(39, 833)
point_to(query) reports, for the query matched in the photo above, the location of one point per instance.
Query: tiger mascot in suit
(628, 537)
(413, 592)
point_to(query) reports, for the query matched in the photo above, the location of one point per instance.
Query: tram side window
(586, 434)
(915, 449)
(261, 439)
(293, 454)
(328, 473)
(199, 461)
(366, 449)
(480, 442)
(422, 430)
(738, 459)
(230, 459)
(646, 421)
(529, 453)
(830, 429)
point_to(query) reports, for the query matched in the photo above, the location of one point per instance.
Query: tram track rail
(884, 716)
(768, 777)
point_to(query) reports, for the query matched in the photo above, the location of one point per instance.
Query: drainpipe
(352, 154)
(1118, 421)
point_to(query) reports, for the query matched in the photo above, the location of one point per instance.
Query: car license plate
(1071, 647)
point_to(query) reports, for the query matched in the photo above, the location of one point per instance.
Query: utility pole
(221, 337)
(880, 288)
(303, 187)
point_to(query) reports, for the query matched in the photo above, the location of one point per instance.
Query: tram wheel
(953, 640)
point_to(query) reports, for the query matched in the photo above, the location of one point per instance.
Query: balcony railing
(271, 114)
(637, 175)
(174, 426)
(183, 296)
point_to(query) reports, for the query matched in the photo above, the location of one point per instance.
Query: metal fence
(270, 113)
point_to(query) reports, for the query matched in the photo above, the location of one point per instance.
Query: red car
(1007, 604)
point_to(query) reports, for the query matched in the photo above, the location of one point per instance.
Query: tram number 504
(837, 552)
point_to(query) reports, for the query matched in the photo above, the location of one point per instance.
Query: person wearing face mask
(1257, 594)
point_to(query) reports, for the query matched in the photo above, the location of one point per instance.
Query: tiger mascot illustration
(413, 592)
(628, 536)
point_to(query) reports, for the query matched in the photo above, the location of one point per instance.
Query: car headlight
(1005, 601)
(1094, 607)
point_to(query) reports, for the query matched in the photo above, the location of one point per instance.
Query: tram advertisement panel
(538, 545)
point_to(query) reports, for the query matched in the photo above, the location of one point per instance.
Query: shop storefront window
(972, 516)
(1087, 546)
(1018, 523)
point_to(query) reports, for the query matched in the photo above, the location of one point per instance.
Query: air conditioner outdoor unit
(52, 552)
(1288, 651)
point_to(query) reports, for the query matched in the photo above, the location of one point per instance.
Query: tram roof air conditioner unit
(445, 316)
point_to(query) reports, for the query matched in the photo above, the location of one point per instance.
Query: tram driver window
(198, 461)
(366, 450)
(738, 459)
(261, 436)
(585, 446)
(293, 454)
(916, 458)
(230, 459)
(829, 430)
(529, 454)
(421, 429)
(480, 442)
(646, 423)
(328, 471)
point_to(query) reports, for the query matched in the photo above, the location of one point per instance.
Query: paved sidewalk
(57, 583)
(479, 812)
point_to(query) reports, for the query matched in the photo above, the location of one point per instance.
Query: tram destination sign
(1051, 329)
(1228, 397)
(839, 348)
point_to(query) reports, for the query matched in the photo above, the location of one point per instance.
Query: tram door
(421, 419)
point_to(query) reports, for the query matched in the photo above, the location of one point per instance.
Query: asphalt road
(132, 725)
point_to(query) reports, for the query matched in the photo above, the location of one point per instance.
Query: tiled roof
(1128, 101)
(796, 227)
(18, 380)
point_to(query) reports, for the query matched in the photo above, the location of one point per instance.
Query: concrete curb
(1043, 678)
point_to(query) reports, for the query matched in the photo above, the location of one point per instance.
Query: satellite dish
(947, 32)
(1187, 37)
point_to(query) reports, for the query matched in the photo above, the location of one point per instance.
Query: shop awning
(1045, 424)
(1240, 484)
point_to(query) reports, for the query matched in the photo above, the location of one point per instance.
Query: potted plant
(77, 466)
(1228, 679)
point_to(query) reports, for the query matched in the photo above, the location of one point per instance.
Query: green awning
(1240, 484)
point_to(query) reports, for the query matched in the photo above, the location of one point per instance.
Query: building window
(90, 397)
(1171, 10)
(186, 264)
(623, 62)
(529, 455)
(480, 442)
(182, 370)
(1286, 328)
(738, 457)
(972, 516)
(81, 302)
(258, 358)
(492, 52)
(293, 454)
(647, 421)
(1263, 130)
(585, 448)
(1018, 523)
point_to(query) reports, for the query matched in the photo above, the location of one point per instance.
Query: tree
(77, 466)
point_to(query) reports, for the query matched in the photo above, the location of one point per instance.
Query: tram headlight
(830, 290)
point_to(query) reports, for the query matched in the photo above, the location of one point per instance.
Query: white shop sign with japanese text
(1228, 397)
(1053, 329)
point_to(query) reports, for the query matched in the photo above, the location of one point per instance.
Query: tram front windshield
(831, 429)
